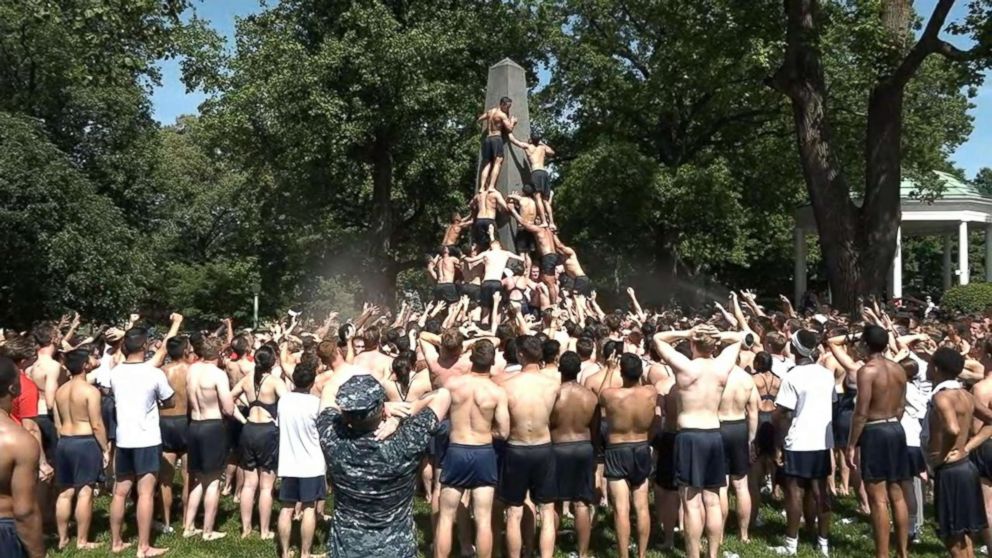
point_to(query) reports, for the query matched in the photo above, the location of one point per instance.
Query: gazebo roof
(954, 188)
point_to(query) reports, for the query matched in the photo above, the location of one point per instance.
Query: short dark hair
(210, 349)
(483, 355)
(569, 365)
(451, 340)
(947, 362)
(240, 345)
(609, 348)
(9, 376)
(631, 366)
(503, 100)
(584, 346)
(135, 340)
(176, 347)
(762, 362)
(875, 337)
(550, 350)
(529, 349)
(44, 334)
(304, 375)
(536, 137)
(371, 337)
(19, 348)
(75, 361)
(510, 351)
(325, 352)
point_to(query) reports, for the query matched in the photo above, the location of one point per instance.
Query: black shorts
(917, 461)
(468, 467)
(175, 431)
(134, 462)
(664, 473)
(49, 435)
(600, 442)
(539, 179)
(486, 292)
(446, 292)
(480, 232)
(492, 148)
(699, 458)
(576, 468)
(259, 446)
(884, 453)
(735, 447)
(233, 428)
(548, 264)
(582, 285)
(806, 465)
(982, 458)
(958, 499)
(10, 543)
(439, 443)
(471, 290)
(764, 438)
(108, 411)
(629, 461)
(524, 241)
(294, 489)
(207, 451)
(843, 415)
(78, 461)
(528, 468)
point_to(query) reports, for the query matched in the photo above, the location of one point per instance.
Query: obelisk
(508, 79)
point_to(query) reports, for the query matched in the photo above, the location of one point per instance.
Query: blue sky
(171, 99)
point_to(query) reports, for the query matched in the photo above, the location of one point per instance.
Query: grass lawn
(852, 540)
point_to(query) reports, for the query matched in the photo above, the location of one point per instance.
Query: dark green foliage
(968, 299)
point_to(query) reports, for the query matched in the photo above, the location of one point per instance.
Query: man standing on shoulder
(537, 152)
(497, 122)
(804, 407)
(630, 413)
(20, 519)
(876, 429)
(210, 400)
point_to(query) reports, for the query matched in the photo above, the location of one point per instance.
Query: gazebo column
(799, 273)
(988, 252)
(895, 276)
(963, 270)
(947, 261)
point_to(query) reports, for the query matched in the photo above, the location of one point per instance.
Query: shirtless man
(847, 394)
(527, 207)
(174, 425)
(20, 519)
(701, 465)
(237, 367)
(580, 283)
(574, 424)
(586, 349)
(47, 375)
(630, 413)
(486, 203)
(209, 396)
(982, 455)
(550, 350)
(666, 491)
(478, 411)
(875, 427)
(738, 427)
(372, 358)
(339, 372)
(471, 284)
(497, 122)
(454, 231)
(537, 151)
(958, 498)
(442, 271)
(495, 260)
(545, 240)
(529, 463)
(606, 376)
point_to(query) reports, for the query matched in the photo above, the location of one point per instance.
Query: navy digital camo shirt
(374, 485)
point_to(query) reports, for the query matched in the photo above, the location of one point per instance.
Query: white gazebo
(961, 208)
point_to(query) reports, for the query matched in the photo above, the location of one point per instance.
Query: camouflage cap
(360, 393)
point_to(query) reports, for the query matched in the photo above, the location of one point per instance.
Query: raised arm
(663, 341)
(836, 345)
(633, 299)
(527, 226)
(518, 143)
(159, 358)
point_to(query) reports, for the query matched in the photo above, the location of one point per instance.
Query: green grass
(852, 540)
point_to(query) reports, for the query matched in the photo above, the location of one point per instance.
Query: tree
(858, 241)
(983, 181)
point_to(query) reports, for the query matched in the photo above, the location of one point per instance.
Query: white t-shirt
(781, 365)
(101, 376)
(138, 388)
(912, 417)
(300, 455)
(808, 391)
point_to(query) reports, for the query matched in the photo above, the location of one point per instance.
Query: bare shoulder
(19, 442)
(983, 390)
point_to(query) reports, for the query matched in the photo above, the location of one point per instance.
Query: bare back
(881, 389)
(575, 414)
(629, 411)
(176, 372)
(77, 405)
(531, 398)
(476, 403)
(700, 392)
(952, 412)
(736, 395)
(205, 384)
(19, 455)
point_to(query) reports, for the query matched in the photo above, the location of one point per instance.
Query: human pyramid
(510, 402)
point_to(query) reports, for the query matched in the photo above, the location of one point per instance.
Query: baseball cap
(360, 393)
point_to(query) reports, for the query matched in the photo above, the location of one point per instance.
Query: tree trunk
(380, 283)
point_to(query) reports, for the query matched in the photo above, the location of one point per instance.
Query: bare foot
(151, 551)
(63, 543)
(88, 545)
(213, 535)
(268, 536)
(289, 554)
(120, 547)
(191, 533)
(245, 534)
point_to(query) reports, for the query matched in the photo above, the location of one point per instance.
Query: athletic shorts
(108, 411)
(528, 468)
(582, 285)
(10, 543)
(548, 264)
(446, 292)
(175, 432)
(843, 415)
(576, 468)
(524, 241)
(259, 446)
(207, 451)
(439, 443)
(480, 232)
(492, 148)
(49, 435)
(735, 447)
(539, 179)
(233, 428)
(884, 453)
(471, 290)
(982, 459)
(78, 461)
(629, 461)
(917, 461)
(958, 499)
(306, 490)
(665, 468)
(468, 467)
(600, 441)
(699, 458)
(806, 465)
(764, 438)
(134, 462)
(486, 292)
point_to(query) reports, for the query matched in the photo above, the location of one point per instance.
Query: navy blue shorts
(807, 465)
(207, 452)
(439, 443)
(884, 453)
(629, 461)
(10, 543)
(134, 462)
(49, 434)
(527, 469)
(466, 466)
(175, 431)
(293, 489)
(78, 461)
(982, 459)
(575, 465)
(108, 411)
(699, 458)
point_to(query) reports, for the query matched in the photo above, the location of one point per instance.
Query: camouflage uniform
(373, 481)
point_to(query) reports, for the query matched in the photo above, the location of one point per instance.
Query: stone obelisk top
(508, 79)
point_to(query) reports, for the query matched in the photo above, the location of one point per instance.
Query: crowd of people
(511, 402)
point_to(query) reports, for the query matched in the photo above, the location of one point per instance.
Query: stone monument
(508, 79)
